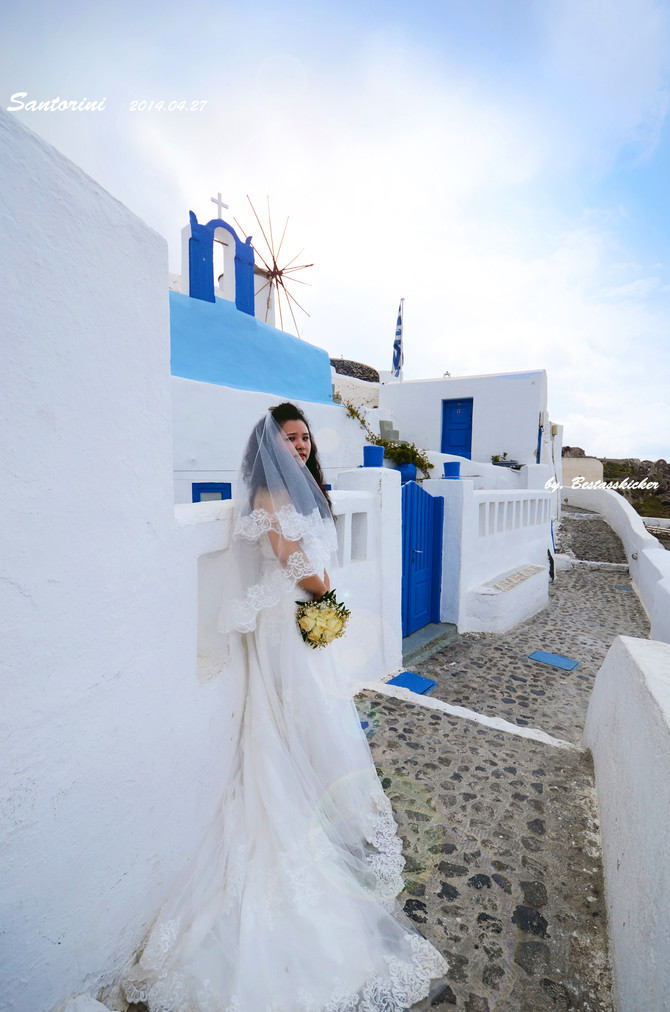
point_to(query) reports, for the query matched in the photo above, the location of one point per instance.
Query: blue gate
(422, 519)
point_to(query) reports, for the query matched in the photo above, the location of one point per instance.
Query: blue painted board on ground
(216, 343)
(415, 683)
(555, 660)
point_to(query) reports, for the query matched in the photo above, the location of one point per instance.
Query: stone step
(427, 641)
(387, 431)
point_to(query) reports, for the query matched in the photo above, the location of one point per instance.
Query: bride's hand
(326, 580)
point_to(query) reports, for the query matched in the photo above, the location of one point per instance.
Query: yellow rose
(306, 623)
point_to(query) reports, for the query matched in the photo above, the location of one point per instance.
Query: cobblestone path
(501, 835)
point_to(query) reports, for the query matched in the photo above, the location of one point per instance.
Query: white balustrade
(493, 539)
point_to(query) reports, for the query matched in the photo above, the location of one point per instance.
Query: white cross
(219, 203)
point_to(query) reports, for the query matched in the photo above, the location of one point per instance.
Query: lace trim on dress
(406, 984)
(288, 522)
(318, 542)
(280, 581)
(387, 863)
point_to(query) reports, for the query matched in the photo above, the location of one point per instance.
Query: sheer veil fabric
(275, 493)
(289, 904)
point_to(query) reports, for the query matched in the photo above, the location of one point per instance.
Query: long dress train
(290, 904)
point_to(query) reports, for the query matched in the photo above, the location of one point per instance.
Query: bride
(290, 903)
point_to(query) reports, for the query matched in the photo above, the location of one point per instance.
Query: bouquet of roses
(322, 621)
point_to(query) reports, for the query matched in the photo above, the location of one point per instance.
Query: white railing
(367, 580)
(487, 534)
(505, 512)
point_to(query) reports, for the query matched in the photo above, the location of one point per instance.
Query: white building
(474, 417)
(119, 697)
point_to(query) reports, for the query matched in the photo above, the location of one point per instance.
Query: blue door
(422, 517)
(457, 427)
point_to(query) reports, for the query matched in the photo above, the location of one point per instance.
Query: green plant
(399, 452)
(497, 458)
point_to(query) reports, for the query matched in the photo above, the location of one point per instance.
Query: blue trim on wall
(201, 264)
(198, 487)
(436, 585)
(215, 343)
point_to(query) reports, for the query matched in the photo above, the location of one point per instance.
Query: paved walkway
(498, 811)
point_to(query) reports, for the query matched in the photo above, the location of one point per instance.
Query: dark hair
(285, 412)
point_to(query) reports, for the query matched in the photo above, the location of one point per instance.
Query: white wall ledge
(628, 731)
(648, 560)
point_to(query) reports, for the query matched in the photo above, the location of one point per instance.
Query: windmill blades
(259, 224)
(242, 230)
(295, 258)
(288, 295)
(265, 263)
(300, 267)
(293, 298)
(281, 319)
(255, 248)
(299, 282)
(268, 301)
(270, 229)
(276, 277)
(282, 239)
(263, 287)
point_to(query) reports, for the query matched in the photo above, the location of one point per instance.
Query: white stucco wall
(589, 468)
(356, 391)
(374, 648)
(648, 561)
(506, 412)
(109, 739)
(628, 731)
(115, 738)
(210, 424)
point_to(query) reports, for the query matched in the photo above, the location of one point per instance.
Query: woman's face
(297, 435)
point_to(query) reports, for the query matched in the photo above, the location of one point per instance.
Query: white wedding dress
(289, 905)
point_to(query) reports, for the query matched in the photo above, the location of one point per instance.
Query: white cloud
(638, 289)
(405, 178)
(607, 64)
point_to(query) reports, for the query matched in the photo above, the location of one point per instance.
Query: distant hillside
(647, 502)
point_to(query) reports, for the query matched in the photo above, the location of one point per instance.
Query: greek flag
(398, 357)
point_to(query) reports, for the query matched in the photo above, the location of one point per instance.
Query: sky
(502, 165)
